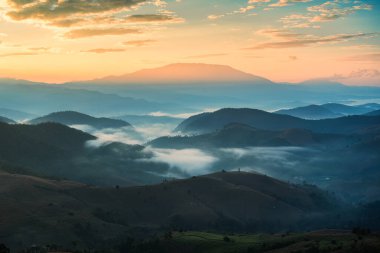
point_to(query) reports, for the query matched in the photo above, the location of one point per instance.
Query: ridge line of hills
(76, 118)
(329, 110)
(212, 121)
(210, 201)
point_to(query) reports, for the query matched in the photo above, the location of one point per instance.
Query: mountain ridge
(6, 120)
(185, 73)
(208, 122)
(88, 215)
(236, 135)
(310, 112)
(77, 118)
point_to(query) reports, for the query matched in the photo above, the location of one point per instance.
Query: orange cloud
(201, 56)
(50, 10)
(138, 43)
(363, 57)
(82, 33)
(305, 41)
(104, 50)
(18, 54)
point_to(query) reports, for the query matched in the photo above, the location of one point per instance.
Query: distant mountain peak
(186, 73)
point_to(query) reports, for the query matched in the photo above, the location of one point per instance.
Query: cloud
(362, 76)
(137, 135)
(104, 50)
(189, 161)
(152, 18)
(328, 11)
(282, 3)
(201, 56)
(332, 10)
(39, 49)
(181, 115)
(18, 54)
(112, 15)
(258, 1)
(245, 9)
(215, 17)
(363, 57)
(126, 135)
(138, 43)
(278, 33)
(153, 131)
(360, 73)
(298, 21)
(50, 10)
(309, 40)
(242, 10)
(266, 159)
(82, 33)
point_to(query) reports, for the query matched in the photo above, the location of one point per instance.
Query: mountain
(240, 136)
(373, 113)
(149, 119)
(371, 106)
(41, 212)
(186, 73)
(209, 122)
(192, 87)
(6, 120)
(41, 99)
(16, 115)
(76, 118)
(28, 145)
(52, 150)
(347, 109)
(310, 112)
(329, 110)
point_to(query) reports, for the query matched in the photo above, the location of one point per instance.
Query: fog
(127, 135)
(188, 161)
(184, 115)
(322, 167)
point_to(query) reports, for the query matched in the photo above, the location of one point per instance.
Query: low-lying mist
(137, 135)
(335, 170)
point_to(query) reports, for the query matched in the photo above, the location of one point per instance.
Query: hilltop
(186, 73)
(6, 120)
(310, 112)
(76, 118)
(209, 122)
(90, 216)
(241, 135)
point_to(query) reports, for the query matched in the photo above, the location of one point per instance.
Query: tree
(4, 249)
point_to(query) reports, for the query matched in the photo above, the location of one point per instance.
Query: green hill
(29, 145)
(209, 122)
(15, 114)
(373, 113)
(240, 135)
(44, 212)
(310, 112)
(76, 118)
(58, 151)
(6, 120)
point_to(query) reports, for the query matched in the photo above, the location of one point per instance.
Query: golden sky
(283, 40)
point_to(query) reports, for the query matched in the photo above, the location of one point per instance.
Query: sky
(283, 40)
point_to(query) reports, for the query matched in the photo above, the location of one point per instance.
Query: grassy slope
(38, 211)
(319, 241)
